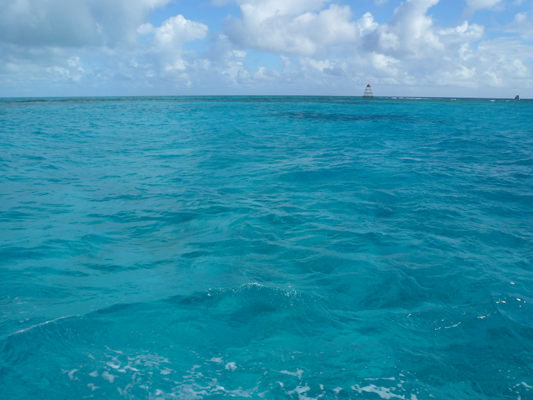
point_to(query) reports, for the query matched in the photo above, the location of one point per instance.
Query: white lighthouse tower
(368, 91)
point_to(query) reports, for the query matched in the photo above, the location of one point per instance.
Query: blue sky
(456, 48)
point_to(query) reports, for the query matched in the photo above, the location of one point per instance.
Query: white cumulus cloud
(175, 31)
(166, 46)
(409, 33)
(72, 23)
(292, 26)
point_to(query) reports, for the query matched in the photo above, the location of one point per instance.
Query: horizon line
(259, 95)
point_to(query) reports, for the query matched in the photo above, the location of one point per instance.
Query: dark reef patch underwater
(266, 247)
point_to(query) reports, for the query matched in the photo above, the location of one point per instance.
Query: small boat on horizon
(517, 97)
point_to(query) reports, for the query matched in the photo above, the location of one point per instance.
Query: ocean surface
(266, 247)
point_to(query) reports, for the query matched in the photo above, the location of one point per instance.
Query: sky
(446, 48)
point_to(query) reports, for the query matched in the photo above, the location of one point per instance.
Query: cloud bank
(101, 47)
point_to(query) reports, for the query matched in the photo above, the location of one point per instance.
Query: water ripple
(273, 247)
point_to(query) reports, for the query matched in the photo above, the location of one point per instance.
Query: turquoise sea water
(276, 248)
